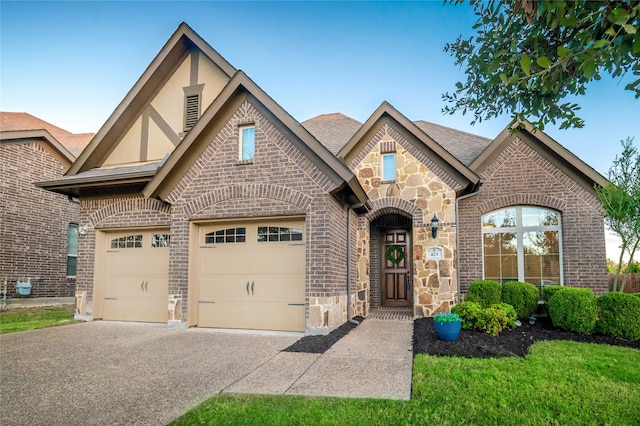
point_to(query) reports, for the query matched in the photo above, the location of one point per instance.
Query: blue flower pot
(448, 330)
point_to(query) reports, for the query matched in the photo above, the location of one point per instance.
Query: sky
(71, 63)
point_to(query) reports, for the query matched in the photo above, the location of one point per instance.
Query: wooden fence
(631, 282)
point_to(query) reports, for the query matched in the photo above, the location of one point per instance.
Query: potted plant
(447, 326)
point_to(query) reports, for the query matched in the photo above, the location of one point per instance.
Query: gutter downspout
(475, 192)
(349, 209)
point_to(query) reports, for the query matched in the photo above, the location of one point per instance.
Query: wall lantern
(434, 226)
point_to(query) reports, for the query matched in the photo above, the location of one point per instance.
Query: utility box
(23, 288)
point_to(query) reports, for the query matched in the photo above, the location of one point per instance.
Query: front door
(396, 272)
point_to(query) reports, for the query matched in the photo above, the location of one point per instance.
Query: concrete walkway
(373, 361)
(106, 372)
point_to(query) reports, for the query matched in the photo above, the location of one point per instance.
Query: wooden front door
(396, 271)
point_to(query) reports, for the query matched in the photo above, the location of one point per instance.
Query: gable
(149, 122)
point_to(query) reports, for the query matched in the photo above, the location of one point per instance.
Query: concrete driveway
(100, 373)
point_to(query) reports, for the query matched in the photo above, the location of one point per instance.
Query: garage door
(135, 286)
(251, 275)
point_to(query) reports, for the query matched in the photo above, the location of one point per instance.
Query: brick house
(206, 204)
(37, 225)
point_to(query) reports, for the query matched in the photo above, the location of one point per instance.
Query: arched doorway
(391, 264)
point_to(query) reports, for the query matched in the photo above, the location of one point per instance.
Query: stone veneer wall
(34, 223)
(421, 189)
(520, 175)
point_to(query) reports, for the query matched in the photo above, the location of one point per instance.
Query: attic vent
(387, 146)
(192, 111)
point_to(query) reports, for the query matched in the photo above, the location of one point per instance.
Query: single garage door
(136, 276)
(251, 275)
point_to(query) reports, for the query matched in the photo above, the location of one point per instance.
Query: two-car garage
(245, 274)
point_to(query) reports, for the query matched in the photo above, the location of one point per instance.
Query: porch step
(391, 313)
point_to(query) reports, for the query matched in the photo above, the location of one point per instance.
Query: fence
(631, 282)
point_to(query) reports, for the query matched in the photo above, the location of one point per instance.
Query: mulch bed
(320, 344)
(470, 344)
(510, 342)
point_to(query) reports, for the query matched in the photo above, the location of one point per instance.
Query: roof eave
(22, 135)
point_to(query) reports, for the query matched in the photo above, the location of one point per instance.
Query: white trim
(240, 142)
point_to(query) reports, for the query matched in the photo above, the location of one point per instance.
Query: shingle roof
(16, 121)
(464, 146)
(332, 130)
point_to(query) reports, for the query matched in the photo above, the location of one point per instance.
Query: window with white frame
(388, 167)
(72, 250)
(247, 142)
(522, 243)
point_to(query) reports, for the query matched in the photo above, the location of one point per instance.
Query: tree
(528, 55)
(620, 198)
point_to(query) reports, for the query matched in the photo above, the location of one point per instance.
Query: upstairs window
(247, 143)
(389, 167)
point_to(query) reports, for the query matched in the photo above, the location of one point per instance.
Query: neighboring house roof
(332, 130)
(13, 122)
(427, 144)
(558, 155)
(162, 66)
(464, 146)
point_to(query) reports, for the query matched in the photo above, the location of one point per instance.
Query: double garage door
(251, 275)
(247, 275)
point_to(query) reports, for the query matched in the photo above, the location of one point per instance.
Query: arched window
(522, 243)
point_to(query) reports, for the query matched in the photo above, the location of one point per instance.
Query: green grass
(559, 382)
(30, 319)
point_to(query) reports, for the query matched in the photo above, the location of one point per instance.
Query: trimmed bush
(468, 311)
(484, 292)
(522, 296)
(547, 293)
(619, 315)
(573, 309)
(512, 315)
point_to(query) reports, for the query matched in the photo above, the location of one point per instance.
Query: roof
(21, 121)
(179, 44)
(464, 146)
(332, 130)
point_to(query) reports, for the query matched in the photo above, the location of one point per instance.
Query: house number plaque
(434, 253)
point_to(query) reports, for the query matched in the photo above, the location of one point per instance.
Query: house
(206, 204)
(39, 229)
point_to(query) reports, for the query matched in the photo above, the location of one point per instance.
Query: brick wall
(34, 223)
(521, 176)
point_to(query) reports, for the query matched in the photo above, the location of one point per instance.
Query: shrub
(573, 309)
(619, 315)
(468, 311)
(522, 296)
(547, 294)
(491, 320)
(484, 292)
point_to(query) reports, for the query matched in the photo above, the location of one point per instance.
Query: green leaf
(589, 68)
(503, 77)
(600, 43)
(619, 16)
(525, 64)
(630, 29)
(563, 52)
(513, 79)
(543, 61)
(610, 31)
(635, 48)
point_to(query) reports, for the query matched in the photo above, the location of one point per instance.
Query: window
(388, 167)
(522, 243)
(230, 235)
(72, 250)
(247, 143)
(275, 233)
(130, 241)
(160, 240)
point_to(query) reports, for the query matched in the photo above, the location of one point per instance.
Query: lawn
(559, 382)
(32, 318)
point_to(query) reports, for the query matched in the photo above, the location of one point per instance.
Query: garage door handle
(252, 284)
(247, 288)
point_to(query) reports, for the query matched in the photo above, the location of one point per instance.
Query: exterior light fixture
(434, 226)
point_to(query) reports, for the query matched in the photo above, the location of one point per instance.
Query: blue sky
(70, 63)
